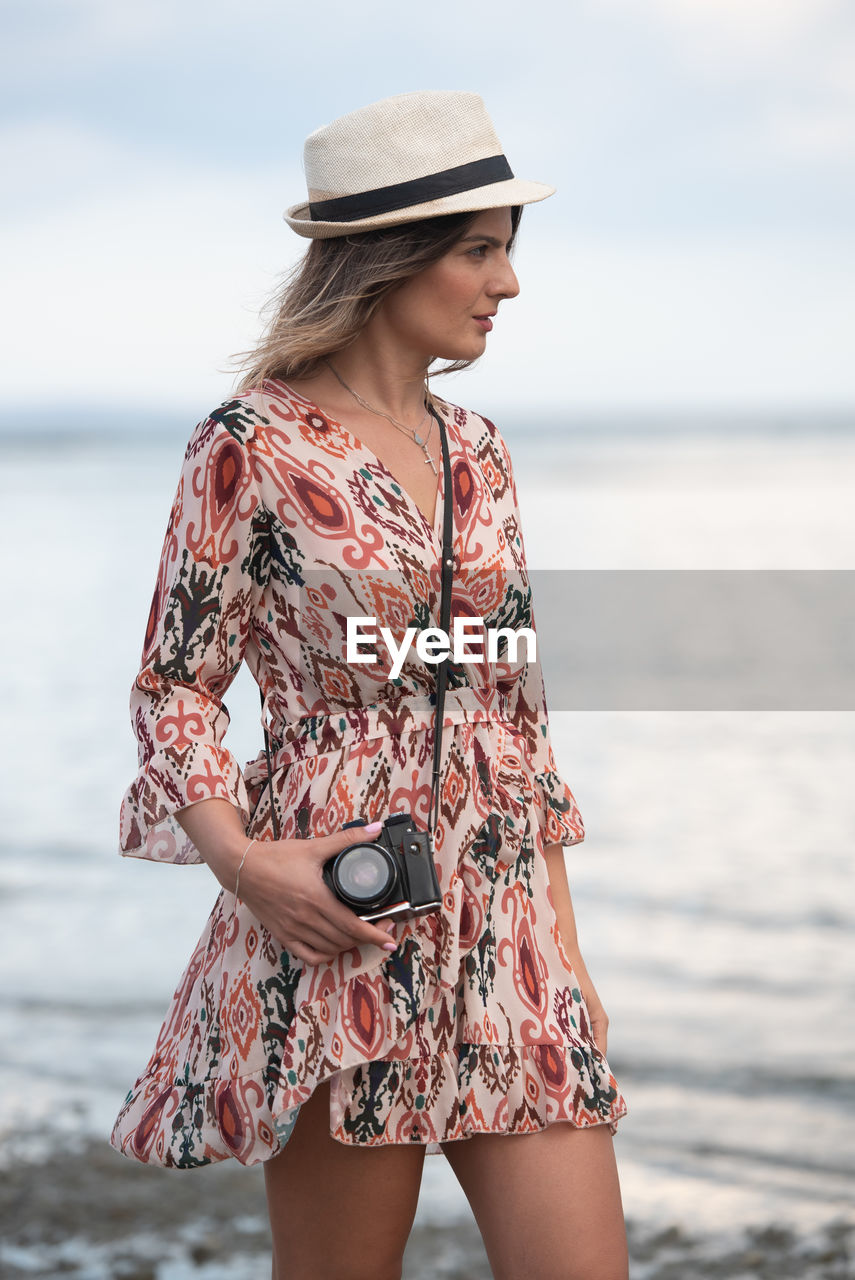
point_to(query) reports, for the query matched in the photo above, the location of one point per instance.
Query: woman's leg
(339, 1212)
(547, 1204)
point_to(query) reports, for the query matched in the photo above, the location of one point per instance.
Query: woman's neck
(381, 372)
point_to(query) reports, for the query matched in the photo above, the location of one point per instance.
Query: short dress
(284, 526)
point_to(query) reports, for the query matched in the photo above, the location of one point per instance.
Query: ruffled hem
(445, 1097)
(365, 1039)
(471, 1089)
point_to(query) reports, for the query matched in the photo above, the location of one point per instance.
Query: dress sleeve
(212, 571)
(555, 805)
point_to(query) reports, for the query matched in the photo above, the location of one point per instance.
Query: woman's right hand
(282, 884)
(281, 881)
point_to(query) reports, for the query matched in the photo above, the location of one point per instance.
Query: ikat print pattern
(283, 526)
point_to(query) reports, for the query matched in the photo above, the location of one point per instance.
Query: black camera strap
(447, 570)
(447, 573)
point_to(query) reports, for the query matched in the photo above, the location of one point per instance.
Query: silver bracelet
(240, 866)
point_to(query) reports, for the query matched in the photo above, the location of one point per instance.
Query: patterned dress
(283, 526)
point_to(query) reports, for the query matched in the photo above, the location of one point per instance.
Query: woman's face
(446, 310)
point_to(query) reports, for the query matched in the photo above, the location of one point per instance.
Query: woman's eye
(481, 248)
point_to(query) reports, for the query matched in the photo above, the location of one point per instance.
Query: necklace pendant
(420, 440)
(429, 459)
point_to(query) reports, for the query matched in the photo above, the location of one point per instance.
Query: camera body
(393, 876)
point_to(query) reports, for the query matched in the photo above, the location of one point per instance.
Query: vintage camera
(392, 876)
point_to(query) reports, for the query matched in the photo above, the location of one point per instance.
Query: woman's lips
(485, 322)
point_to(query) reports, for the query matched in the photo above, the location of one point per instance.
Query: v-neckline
(439, 507)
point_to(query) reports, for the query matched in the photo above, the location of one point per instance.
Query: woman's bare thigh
(344, 1213)
(547, 1204)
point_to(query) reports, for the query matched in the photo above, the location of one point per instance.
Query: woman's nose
(506, 284)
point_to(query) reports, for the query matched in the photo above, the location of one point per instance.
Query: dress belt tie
(331, 730)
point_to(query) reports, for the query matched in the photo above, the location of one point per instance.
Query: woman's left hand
(566, 921)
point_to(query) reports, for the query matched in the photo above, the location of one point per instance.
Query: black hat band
(400, 195)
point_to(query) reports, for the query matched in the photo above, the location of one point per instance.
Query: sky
(699, 252)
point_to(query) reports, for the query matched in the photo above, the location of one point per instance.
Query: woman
(336, 1050)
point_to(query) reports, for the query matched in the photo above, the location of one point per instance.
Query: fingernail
(373, 828)
(389, 946)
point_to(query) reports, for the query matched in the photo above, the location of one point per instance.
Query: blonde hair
(326, 299)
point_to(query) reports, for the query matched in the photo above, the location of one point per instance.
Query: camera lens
(364, 874)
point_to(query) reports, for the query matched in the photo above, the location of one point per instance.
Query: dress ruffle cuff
(557, 812)
(171, 780)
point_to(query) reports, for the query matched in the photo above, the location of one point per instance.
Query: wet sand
(93, 1215)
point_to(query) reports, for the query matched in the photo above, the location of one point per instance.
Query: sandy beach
(92, 1215)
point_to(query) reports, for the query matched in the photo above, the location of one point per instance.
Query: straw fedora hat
(413, 156)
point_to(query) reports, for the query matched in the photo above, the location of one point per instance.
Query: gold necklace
(412, 432)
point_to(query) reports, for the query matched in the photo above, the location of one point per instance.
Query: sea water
(713, 892)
